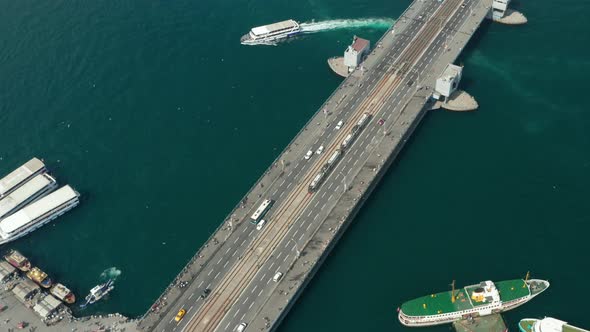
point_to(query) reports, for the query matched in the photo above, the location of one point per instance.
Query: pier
(231, 282)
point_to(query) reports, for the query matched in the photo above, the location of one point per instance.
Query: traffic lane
(207, 279)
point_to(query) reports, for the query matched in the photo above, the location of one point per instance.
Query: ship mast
(453, 291)
(526, 278)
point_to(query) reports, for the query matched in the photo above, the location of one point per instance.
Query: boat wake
(110, 273)
(370, 23)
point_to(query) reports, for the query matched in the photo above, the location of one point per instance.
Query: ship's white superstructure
(20, 175)
(38, 213)
(36, 187)
(270, 34)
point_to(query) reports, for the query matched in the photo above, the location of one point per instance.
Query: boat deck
(512, 289)
(440, 303)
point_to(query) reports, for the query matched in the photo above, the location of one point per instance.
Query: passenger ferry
(39, 277)
(36, 187)
(63, 293)
(16, 178)
(38, 214)
(473, 301)
(270, 34)
(547, 324)
(17, 260)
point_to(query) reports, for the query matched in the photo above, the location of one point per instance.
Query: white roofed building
(356, 52)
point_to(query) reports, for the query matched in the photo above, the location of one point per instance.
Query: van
(260, 224)
(339, 125)
(277, 276)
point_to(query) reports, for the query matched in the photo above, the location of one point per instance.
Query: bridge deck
(238, 262)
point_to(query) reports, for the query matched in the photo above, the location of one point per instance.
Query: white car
(308, 154)
(277, 276)
(339, 125)
(241, 327)
(320, 150)
(260, 224)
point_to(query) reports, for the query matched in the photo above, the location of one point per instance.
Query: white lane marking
(208, 274)
(200, 284)
(217, 275)
(191, 296)
(254, 289)
(224, 265)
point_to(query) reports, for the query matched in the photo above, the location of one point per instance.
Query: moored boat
(17, 260)
(63, 293)
(546, 324)
(99, 291)
(472, 301)
(39, 277)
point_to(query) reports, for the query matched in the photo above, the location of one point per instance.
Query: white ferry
(20, 175)
(38, 214)
(270, 34)
(27, 193)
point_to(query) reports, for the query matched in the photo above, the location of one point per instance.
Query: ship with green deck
(473, 301)
(547, 324)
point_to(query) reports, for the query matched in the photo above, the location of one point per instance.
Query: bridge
(233, 280)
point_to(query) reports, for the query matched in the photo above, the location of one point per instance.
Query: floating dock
(491, 323)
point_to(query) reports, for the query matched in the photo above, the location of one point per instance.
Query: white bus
(261, 211)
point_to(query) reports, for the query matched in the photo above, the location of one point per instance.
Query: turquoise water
(162, 120)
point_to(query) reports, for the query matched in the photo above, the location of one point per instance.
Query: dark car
(205, 293)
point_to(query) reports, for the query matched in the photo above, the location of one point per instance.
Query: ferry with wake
(272, 33)
(547, 324)
(40, 277)
(63, 293)
(99, 291)
(472, 301)
(17, 260)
